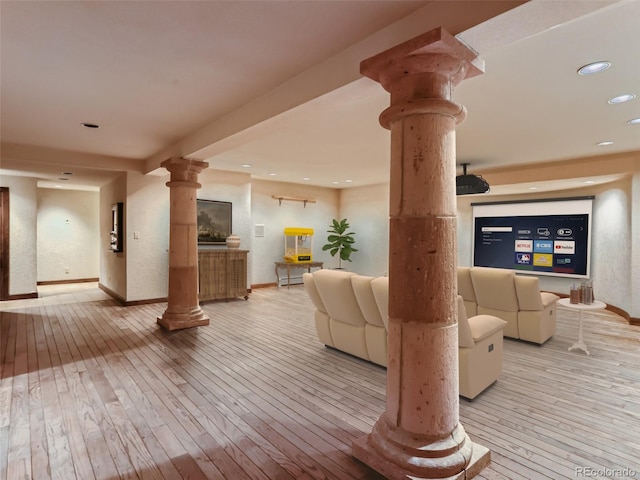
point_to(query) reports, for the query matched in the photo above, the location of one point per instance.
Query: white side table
(581, 307)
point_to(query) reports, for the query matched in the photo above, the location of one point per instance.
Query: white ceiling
(275, 84)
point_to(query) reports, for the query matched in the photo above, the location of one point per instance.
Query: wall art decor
(214, 222)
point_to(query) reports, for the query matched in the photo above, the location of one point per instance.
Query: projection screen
(542, 237)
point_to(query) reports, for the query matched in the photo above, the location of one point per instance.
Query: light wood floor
(90, 389)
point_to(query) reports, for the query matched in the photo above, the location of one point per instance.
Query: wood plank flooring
(91, 389)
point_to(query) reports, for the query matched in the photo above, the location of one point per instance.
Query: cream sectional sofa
(530, 314)
(352, 316)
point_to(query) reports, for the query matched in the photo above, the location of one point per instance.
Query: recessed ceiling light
(594, 67)
(627, 97)
(273, 174)
(90, 125)
(604, 144)
(246, 165)
(589, 182)
(335, 183)
(349, 181)
(634, 121)
(306, 178)
(533, 188)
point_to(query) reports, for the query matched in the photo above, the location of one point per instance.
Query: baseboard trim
(264, 285)
(61, 282)
(619, 311)
(124, 302)
(111, 293)
(23, 296)
(145, 302)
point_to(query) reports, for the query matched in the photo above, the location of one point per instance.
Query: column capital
(436, 51)
(184, 171)
(420, 75)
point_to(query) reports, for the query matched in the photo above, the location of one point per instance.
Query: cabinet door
(236, 274)
(212, 274)
(204, 275)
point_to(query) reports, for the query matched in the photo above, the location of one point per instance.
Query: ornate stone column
(183, 309)
(419, 436)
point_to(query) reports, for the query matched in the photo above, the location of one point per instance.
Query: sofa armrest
(312, 291)
(549, 299)
(483, 326)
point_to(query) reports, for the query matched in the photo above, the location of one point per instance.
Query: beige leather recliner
(346, 322)
(495, 290)
(320, 315)
(336, 295)
(375, 329)
(530, 314)
(537, 314)
(465, 289)
(479, 351)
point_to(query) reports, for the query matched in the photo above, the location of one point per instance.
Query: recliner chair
(537, 314)
(530, 314)
(495, 291)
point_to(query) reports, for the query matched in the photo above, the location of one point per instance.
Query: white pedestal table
(581, 307)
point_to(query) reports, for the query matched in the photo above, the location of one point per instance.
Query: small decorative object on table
(574, 294)
(587, 292)
(233, 241)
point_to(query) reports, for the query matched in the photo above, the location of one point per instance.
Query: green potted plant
(340, 241)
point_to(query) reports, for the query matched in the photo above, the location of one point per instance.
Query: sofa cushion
(465, 285)
(367, 302)
(336, 292)
(528, 290)
(465, 288)
(312, 291)
(483, 326)
(380, 288)
(495, 289)
(465, 336)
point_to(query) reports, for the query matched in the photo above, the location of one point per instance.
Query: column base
(403, 456)
(194, 317)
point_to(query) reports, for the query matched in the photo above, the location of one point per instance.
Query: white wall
(610, 247)
(147, 218)
(68, 234)
(634, 311)
(141, 272)
(113, 266)
(234, 188)
(22, 234)
(275, 217)
(367, 209)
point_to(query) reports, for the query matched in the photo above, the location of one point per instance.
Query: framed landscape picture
(214, 222)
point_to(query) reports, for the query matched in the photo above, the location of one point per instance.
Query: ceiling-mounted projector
(467, 184)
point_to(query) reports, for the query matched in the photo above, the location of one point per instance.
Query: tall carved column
(183, 309)
(419, 436)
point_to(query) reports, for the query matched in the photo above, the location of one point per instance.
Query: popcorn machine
(298, 244)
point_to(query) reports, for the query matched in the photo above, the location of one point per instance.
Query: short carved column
(183, 309)
(419, 435)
